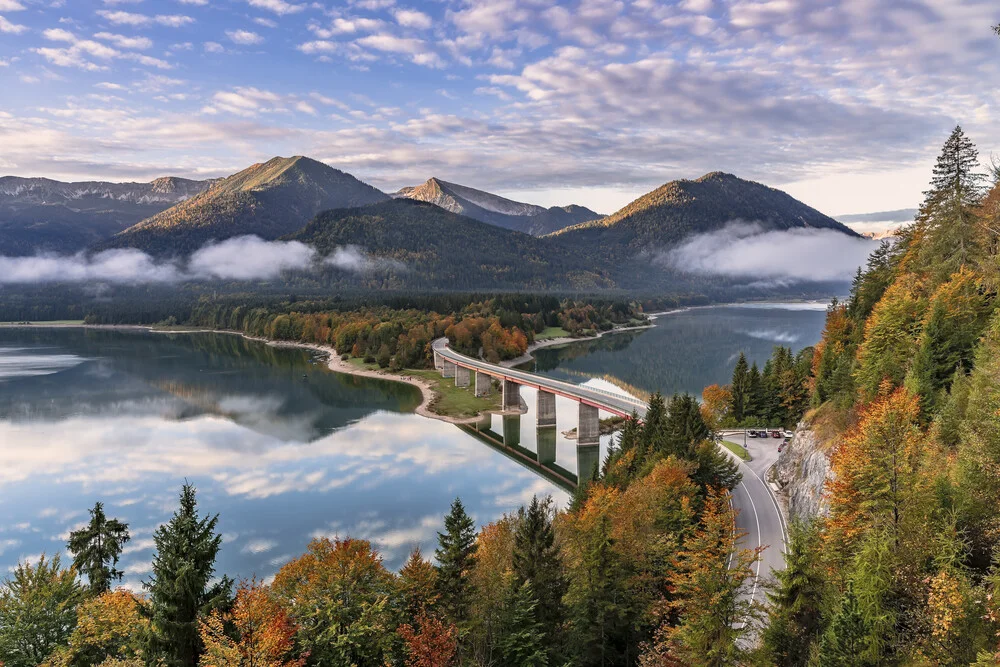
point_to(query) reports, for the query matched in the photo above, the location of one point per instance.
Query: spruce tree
(537, 564)
(740, 389)
(685, 428)
(755, 400)
(522, 639)
(181, 591)
(947, 215)
(96, 549)
(846, 640)
(455, 552)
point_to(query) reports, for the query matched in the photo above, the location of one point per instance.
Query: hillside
(425, 245)
(269, 200)
(683, 208)
(497, 210)
(43, 215)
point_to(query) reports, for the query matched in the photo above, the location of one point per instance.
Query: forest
(636, 571)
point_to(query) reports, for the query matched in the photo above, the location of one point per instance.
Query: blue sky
(842, 103)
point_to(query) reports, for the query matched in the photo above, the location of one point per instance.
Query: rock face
(803, 469)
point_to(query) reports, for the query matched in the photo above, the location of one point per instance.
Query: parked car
(751, 434)
(781, 446)
(776, 434)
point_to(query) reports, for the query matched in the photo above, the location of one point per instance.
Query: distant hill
(270, 200)
(683, 208)
(424, 245)
(43, 215)
(899, 215)
(497, 210)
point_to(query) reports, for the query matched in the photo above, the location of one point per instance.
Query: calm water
(687, 350)
(285, 450)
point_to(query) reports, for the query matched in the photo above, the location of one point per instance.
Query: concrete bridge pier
(463, 376)
(511, 396)
(483, 382)
(588, 431)
(546, 408)
(448, 369)
(438, 360)
(545, 438)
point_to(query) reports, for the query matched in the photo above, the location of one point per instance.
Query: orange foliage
(432, 644)
(264, 632)
(715, 401)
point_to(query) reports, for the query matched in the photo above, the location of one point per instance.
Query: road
(759, 516)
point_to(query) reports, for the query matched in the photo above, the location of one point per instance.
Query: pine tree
(740, 389)
(522, 639)
(456, 548)
(947, 216)
(96, 549)
(796, 604)
(755, 395)
(537, 564)
(846, 640)
(685, 428)
(181, 590)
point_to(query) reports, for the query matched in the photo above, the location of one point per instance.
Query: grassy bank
(736, 449)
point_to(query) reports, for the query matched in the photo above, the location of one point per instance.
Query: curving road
(759, 516)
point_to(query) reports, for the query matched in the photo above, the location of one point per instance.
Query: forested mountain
(43, 215)
(496, 210)
(269, 200)
(683, 208)
(425, 245)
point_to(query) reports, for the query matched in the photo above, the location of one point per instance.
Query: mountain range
(461, 239)
(42, 215)
(496, 210)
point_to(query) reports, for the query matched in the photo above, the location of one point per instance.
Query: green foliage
(37, 611)
(522, 639)
(537, 564)
(455, 552)
(181, 589)
(96, 549)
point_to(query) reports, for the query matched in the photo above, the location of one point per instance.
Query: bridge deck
(609, 401)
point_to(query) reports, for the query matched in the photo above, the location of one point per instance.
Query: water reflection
(687, 350)
(283, 449)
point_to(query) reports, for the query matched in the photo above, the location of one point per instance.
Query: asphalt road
(758, 513)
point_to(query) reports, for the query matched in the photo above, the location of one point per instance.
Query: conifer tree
(181, 590)
(755, 394)
(537, 564)
(522, 636)
(456, 548)
(740, 389)
(845, 642)
(96, 549)
(417, 584)
(684, 428)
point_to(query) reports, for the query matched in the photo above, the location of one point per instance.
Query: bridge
(590, 399)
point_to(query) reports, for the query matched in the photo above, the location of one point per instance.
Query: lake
(285, 450)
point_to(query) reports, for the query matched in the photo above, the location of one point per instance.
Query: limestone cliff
(802, 471)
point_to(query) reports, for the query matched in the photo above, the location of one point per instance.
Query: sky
(842, 103)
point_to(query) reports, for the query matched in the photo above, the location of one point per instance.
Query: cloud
(239, 258)
(11, 6)
(129, 18)
(411, 18)
(745, 250)
(249, 257)
(12, 28)
(244, 37)
(279, 7)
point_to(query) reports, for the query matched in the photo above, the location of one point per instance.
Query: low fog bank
(743, 249)
(240, 258)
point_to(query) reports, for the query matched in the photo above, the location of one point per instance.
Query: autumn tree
(716, 402)
(184, 587)
(38, 605)
(430, 642)
(339, 595)
(417, 585)
(261, 633)
(96, 549)
(111, 626)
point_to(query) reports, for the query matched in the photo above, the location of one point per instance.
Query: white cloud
(279, 7)
(138, 20)
(11, 28)
(411, 18)
(745, 250)
(11, 6)
(244, 37)
(124, 42)
(249, 257)
(214, 47)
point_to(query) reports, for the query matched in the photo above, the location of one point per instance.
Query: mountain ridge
(494, 209)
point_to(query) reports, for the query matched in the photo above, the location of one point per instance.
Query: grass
(549, 333)
(736, 449)
(451, 401)
(455, 401)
